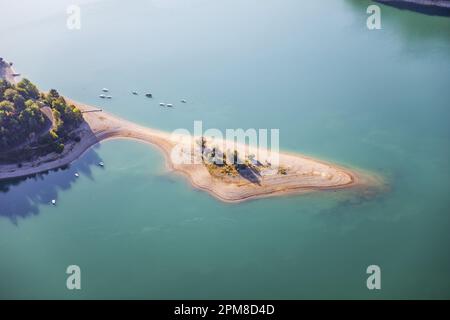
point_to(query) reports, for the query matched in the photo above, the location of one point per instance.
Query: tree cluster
(23, 123)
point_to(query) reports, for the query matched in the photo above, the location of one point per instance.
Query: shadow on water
(22, 198)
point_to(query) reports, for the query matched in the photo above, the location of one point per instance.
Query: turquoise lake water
(377, 100)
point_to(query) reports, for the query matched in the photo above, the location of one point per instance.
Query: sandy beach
(304, 174)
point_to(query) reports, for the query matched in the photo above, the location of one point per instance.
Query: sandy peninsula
(300, 173)
(303, 174)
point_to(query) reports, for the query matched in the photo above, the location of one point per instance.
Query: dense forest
(23, 125)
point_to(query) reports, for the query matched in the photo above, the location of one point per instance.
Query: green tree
(52, 95)
(27, 89)
(9, 94)
(3, 86)
(235, 157)
(19, 102)
(6, 106)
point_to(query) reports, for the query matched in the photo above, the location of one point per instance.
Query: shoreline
(428, 7)
(103, 126)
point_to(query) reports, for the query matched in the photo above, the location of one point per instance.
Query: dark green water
(377, 100)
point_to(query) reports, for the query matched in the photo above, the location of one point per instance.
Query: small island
(44, 131)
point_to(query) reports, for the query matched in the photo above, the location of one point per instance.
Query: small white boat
(134, 92)
(54, 202)
(105, 90)
(183, 101)
(162, 104)
(169, 105)
(77, 175)
(102, 96)
(101, 164)
(108, 97)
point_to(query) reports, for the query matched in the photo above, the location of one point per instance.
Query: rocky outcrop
(6, 71)
(430, 7)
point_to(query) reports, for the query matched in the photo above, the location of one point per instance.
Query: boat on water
(76, 174)
(102, 96)
(108, 97)
(54, 202)
(169, 105)
(105, 89)
(101, 164)
(183, 101)
(149, 95)
(162, 104)
(134, 92)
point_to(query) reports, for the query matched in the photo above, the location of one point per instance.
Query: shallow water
(376, 100)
